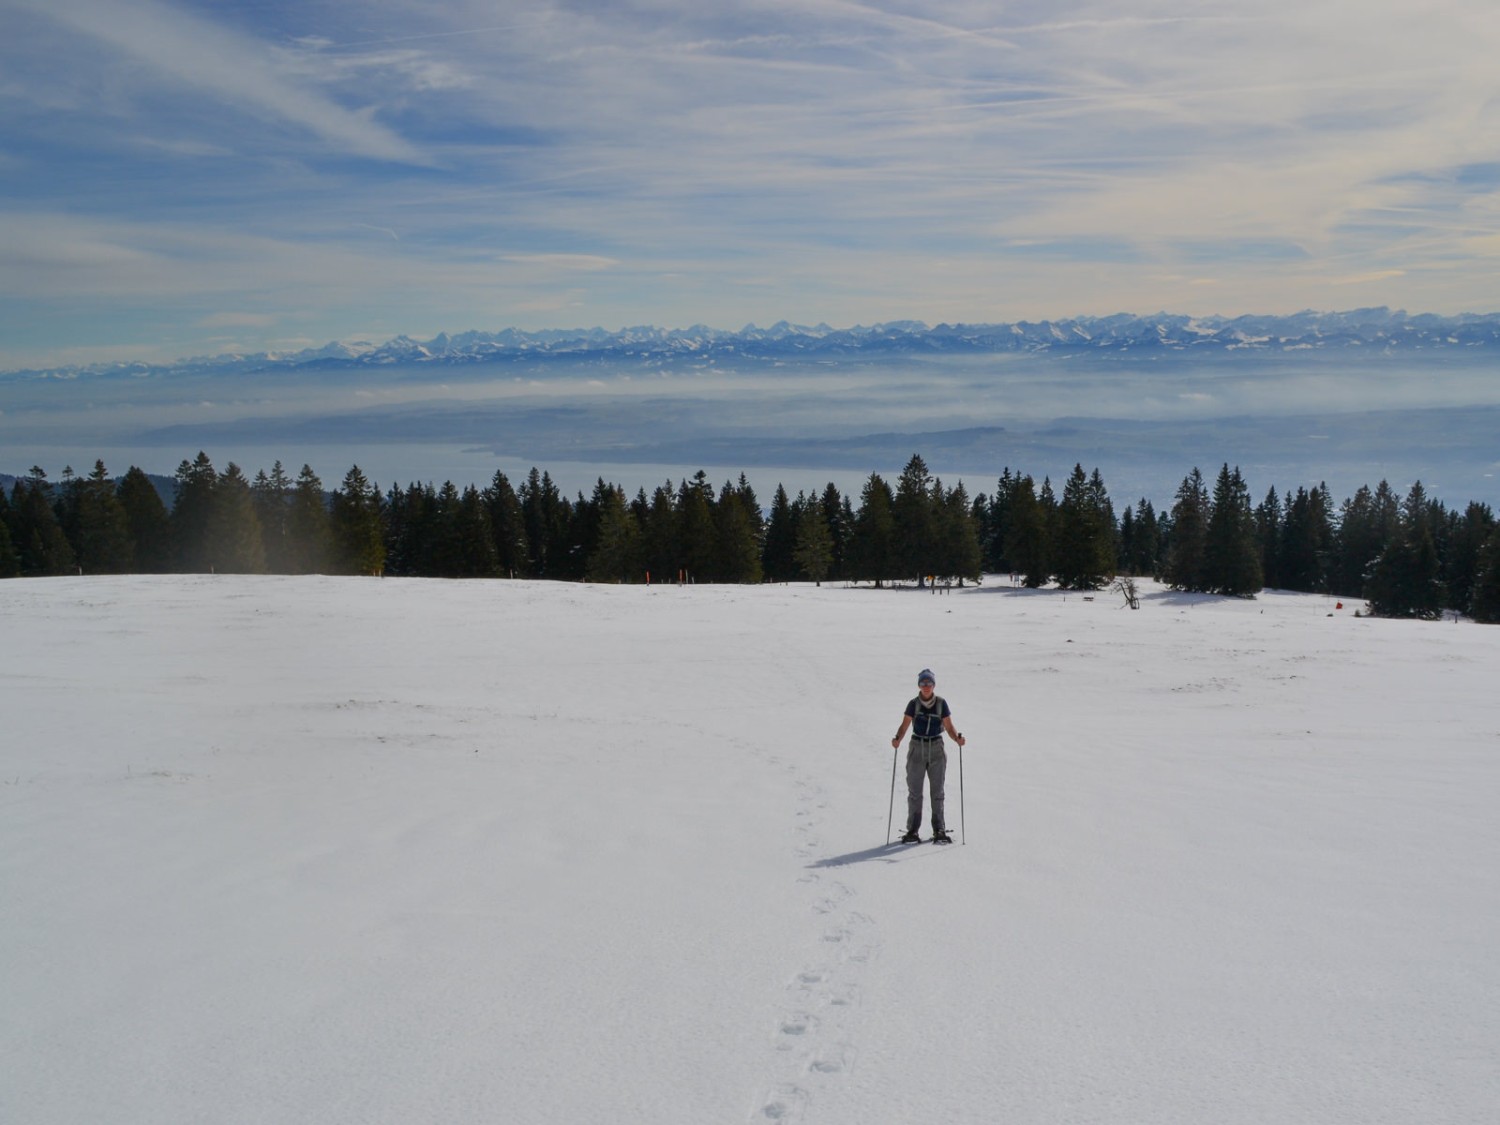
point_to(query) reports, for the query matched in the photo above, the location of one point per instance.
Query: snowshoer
(928, 716)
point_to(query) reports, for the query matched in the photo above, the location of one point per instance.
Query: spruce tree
(1306, 541)
(308, 531)
(840, 517)
(582, 534)
(1470, 533)
(41, 546)
(358, 534)
(473, 539)
(10, 561)
(1145, 555)
(872, 549)
(234, 533)
(1268, 517)
(958, 536)
(445, 551)
(1360, 540)
(663, 554)
(508, 525)
(1185, 569)
(736, 536)
(1028, 543)
(192, 513)
(1127, 539)
(695, 508)
(778, 556)
(814, 548)
(617, 550)
(100, 533)
(1231, 551)
(272, 495)
(1484, 603)
(407, 523)
(1405, 581)
(1083, 548)
(146, 522)
(1104, 509)
(915, 515)
(547, 516)
(996, 526)
(750, 504)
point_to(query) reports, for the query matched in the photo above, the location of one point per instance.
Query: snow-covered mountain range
(1376, 328)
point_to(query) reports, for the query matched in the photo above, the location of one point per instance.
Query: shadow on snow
(885, 853)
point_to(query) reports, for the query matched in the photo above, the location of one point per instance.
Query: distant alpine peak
(1374, 328)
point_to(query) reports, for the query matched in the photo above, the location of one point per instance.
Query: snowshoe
(910, 838)
(940, 836)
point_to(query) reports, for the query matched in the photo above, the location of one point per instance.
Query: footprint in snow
(795, 1027)
(786, 1104)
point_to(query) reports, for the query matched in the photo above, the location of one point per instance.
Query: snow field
(327, 850)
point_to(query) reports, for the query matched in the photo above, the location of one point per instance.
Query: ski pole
(963, 834)
(892, 813)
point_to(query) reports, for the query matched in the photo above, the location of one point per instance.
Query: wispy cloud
(181, 48)
(562, 163)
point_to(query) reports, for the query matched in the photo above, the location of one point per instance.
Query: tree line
(1408, 557)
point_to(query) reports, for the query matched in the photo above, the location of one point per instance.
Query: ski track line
(813, 1040)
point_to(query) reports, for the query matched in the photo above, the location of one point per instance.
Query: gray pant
(925, 757)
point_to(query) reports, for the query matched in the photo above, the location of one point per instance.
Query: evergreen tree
(581, 537)
(1083, 549)
(814, 549)
(617, 551)
(309, 532)
(1306, 541)
(1047, 502)
(192, 513)
(1028, 543)
(1104, 509)
(1361, 539)
(1146, 554)
(1467, 539)
(660, 536)
(1186, 558)
(37, 538)
(846, 552)
(1405, 581)
(99, 531)
(695, 522)
(444, 551)
(958, 536)
(235, 545)
(840, 517)
(1126, 540)
(872, 550)
(272, 496)
(915, 518)
(406, 523)
(778, 557)
(465, 522)
(508, 524)
(146, 523)
(358, 533)
(547, 516)
(996, 530)
(10, 560)
(1268, 520)
(736, 538)
(1231, 550)
(1484, 603)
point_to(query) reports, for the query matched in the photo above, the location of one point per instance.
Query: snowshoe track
(813, 1040)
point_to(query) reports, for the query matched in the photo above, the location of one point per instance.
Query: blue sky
(191, 178)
